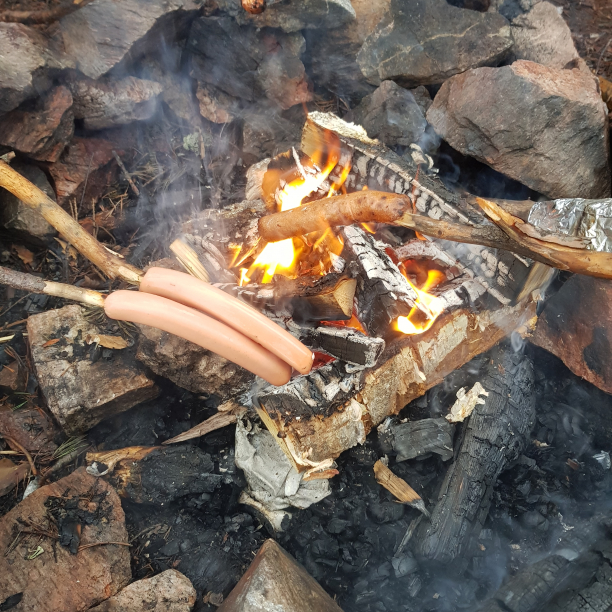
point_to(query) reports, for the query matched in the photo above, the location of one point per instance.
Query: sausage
(357, 207)
(193, 292)
(196, 327)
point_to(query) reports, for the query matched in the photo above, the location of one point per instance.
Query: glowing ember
(414, 323)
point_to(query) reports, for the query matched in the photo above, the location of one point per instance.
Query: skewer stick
(85, 243)
(34, 284)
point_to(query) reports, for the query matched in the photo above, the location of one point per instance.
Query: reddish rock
(105, 104)
(169, 591)
(42, 130)
(13, 377)
(29, 426)
(84, 159)
(576, 326)
(544, 127)
(57, 579)
(81, 392)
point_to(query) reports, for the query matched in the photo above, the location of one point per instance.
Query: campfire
(303, 309)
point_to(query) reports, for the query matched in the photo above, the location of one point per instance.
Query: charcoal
(420, 438)
(385, 512)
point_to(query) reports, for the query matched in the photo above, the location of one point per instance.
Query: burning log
(424, 205)
(496, 433)
(384, 293)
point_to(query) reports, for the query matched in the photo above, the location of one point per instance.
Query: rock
(87, 164)
(265, 134)
(105, 34)
(576, 326)
(42, 129)
(215, 105)
(81, 392)
(424, 42)
(13, 378)
(511, 9)
(246, 63)
(334, 52)
(27, 224)
(276, 581)
(391, 114)
(169, 591)
(544, 127)
(543, 37)
(105, 104)
(59, 579)
(294, 15)
(190, 366)
(29, 426)
(27, 64)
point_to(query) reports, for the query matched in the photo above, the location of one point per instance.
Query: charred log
(495, 434)
(419, 438)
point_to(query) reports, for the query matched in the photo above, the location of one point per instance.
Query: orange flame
(413, 323)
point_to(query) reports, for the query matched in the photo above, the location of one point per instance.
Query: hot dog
(196, 327)
(193, 292)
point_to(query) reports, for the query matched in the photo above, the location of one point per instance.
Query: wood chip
(398, 487)
(24, 254)
(51, 342)
(110, 342)
(11, 474)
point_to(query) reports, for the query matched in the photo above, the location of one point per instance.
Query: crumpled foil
(588, 219)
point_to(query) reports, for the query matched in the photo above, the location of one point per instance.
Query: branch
(34, 284)
(45, 16)
(112, 265)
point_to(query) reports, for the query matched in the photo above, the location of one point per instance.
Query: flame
(413, 323)
(283, 254)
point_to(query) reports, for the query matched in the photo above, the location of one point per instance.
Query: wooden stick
(34, 284)
(398, 487)
(126, 174)
(221, 419)
(509, 232)
(44, 16)
(188, 258)
(107, 261)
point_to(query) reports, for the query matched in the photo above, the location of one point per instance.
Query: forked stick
(107, 261)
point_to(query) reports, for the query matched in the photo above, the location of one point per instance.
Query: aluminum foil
(588, 219)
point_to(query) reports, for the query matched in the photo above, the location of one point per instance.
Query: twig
(34, 284)
(107, 261)
(398, 487)
(221, 419)
(24, 451)
(126, 174)
(45, 16)
(84, 546)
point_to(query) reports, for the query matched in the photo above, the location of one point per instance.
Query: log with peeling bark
(108, 262)
(571, 565)
(408, 367)
(495, 434)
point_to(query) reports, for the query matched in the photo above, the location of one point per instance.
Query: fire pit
(303, 308)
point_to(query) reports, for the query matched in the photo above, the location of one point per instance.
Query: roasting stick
(506, 232)
(107, 261)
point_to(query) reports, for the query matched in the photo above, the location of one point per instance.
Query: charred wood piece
(571, 565)
(345, 343)
(398, 487)
(418, 439)
(157, 475)
(317, 394)
(495, 434)
(384, 293)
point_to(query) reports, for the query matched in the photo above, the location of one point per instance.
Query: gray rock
(544, 127)
(215, 105)
(102, 35)
(423, 42)
(248, 64)
(334, 52)
(20, 219)
(42, 128)
(511, 9)
(391, 114)
(105, 104)
(295, 15)
(266, 134)
(542, 36)
(27, 64)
